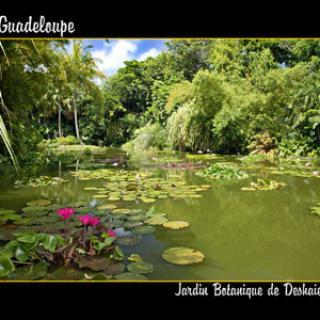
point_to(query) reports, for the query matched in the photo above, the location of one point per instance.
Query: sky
(111, 55)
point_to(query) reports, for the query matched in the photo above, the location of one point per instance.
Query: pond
(259, 235)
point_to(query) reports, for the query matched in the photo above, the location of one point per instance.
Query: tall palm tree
(81, 70)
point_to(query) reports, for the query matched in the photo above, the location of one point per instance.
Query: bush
(68, 140)
(149, 136)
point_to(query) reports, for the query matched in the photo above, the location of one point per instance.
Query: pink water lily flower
(85, 219)
(94, 220)
(65, 213)
(111, 233)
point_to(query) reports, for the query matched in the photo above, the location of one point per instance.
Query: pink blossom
(85, 219)
(111, 233)
(65, 213)
(94, 220)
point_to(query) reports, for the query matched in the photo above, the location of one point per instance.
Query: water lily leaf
(134, 257)
(7, 212)
(140, 267)
(25, 221)
(91, 189)
(315, 210)
(34, 272)
(114, 199)
(107, 206)
(6, 266)
(97, 277)
(144, 230)
(10, 217)
(136, 211)
(157, 219)
(182, 256)
(264, 185)
(7, 234)
(52, 241)
(100, 245)
(147, 200)
(136, 218)
(29, 237)
(22, 252)
(130, 276)
(64, 273)
(195, 196)
(40, 202)
(113, 268)
(39, 210)
(100, 196)
(129, 240)
(96, 263)
(176, 225)
(121, 211)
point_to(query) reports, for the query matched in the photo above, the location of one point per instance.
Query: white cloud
(109, 60)
(153, 52)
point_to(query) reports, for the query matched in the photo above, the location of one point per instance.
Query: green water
(264, 235)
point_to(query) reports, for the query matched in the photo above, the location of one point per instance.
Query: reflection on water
(244, 235)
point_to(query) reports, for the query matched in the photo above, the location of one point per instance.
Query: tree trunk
(76, 122)
(59, 121)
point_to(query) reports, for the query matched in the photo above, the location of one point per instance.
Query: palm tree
(81, 70)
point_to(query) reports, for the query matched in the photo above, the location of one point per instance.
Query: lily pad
(34, 272)
(136, 218)
(144, 230)
(140, 267)
(182, 256)
(130, 276)
(121, 211)
(147, 200)
(40, 202)
(10, 217)
(157, 219)
(129, 240)
(264, 185)
(100, 196)
(35, 210)
(175, 225)
(114, 199)
(113, 268)
(6, 266)
(107, 206)
(93, 262)
(134, 257)
(63, 273)
(7, 212)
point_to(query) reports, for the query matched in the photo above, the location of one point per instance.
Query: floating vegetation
(175, 225)
(139, 186)
(264, 185)
(316, 209)
(42, 181)
(182, 256)
(107, 206)
(130, 276)
(200, 157)
(7, 212)
(224, 171)
(295, 172)
(140, 267)
(144, 230)
(259, 157)
(157, 219)
(41, 203)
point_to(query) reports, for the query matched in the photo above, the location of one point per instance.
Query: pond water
(262, 235)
